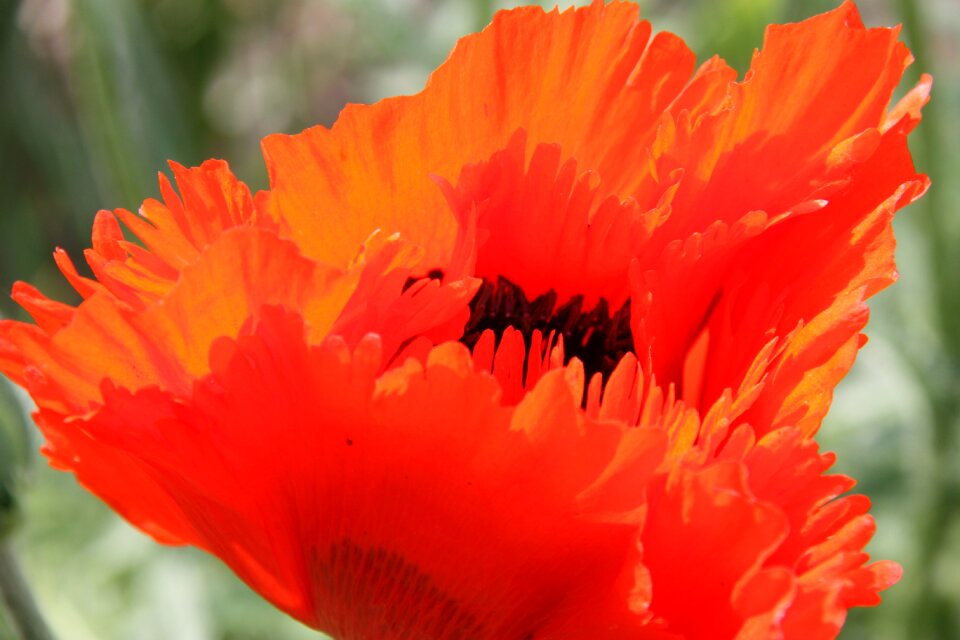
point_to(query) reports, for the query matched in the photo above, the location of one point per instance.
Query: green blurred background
(95, 96)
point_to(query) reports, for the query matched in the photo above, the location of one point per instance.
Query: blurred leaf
(14, 453)
(733, 29)
(125, 102)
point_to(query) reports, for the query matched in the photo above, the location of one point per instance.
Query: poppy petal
(596, 65)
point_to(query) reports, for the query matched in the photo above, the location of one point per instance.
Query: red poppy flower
(538, 352)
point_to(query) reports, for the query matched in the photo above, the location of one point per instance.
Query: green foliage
(14, 454)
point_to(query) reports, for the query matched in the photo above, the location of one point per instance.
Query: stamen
(433, 274)
(596, 337)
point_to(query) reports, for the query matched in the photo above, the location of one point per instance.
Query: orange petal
(585, 237)
(351, 469)
(594, 66)
(813, 85)
(703, 535)
(802, 278)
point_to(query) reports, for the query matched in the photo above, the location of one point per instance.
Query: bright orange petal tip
(538, 352)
